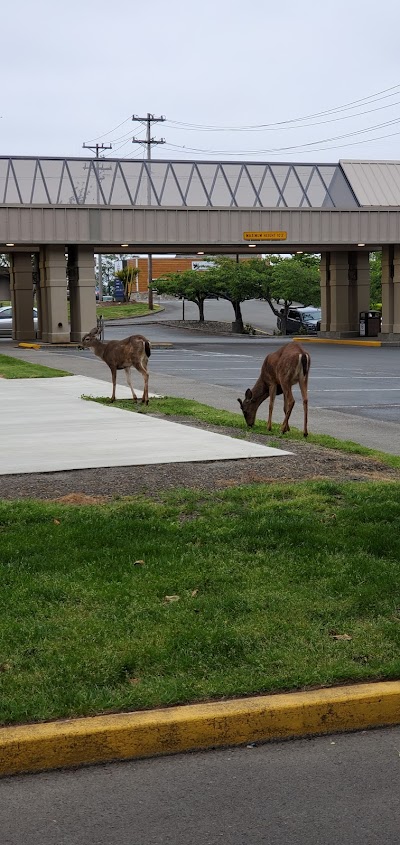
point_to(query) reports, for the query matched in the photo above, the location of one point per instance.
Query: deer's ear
(240, 403)
(248, 394)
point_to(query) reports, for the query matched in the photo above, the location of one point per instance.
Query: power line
(370, 99)
(276, 127)
(345, 107)
(291, 147)
(110, 130)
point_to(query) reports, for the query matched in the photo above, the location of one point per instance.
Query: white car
(6, 320)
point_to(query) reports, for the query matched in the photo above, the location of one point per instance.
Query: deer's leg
(129, 380)
(272, 395)
(303, 384)
(141, 369)
(288, 405)
(114, 382)
(284, 410)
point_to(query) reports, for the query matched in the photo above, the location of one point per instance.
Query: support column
(82, 291)
(55, 328)
(21, 287)
(37, 293)
(360, 286)
(387, 289)
(325, 273)
(345, 291)
(340, 311)
(396, 294)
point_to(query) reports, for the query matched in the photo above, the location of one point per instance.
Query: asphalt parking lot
(362, 382)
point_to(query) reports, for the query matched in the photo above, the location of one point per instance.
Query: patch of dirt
(208, 327)
(95, 486)
(80, 499)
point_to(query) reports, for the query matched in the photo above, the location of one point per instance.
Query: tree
(193, 285)
(4, 260)
(291, 280)
(236, 282)
(375, 266)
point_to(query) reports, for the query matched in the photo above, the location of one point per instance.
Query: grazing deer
(133, 351)
(282, 369)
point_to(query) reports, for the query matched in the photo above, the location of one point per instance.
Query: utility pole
(96, 149)
(149, 143)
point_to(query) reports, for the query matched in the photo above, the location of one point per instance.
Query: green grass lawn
(172, 406)
(16, 368)
(129, 309)
(261, 580)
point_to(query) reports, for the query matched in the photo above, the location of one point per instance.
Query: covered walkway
(56, 213)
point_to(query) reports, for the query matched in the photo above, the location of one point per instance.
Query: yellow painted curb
(29, 346)
(349, 342)
(124, 736)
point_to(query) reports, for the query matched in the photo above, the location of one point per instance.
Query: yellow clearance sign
(265, 236)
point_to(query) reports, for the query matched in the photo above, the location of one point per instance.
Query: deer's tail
(147, 348)
(305, 363)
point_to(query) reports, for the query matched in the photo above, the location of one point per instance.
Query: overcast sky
(73, 71)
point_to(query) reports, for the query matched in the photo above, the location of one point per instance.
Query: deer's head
(90, 338)
(249, 407)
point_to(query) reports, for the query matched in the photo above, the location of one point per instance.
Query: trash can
(370, 323)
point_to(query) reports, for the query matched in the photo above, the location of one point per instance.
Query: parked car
(6, 322)
(304, 320)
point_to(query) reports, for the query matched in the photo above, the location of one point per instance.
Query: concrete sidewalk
(47, 427)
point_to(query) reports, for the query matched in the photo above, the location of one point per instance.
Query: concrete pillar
(53, 276)
(345, 291)
(21, 288)
(325, 273)
(339, 287)
(360, 286)
(396, 293)
(37, 293)
(82, 291)
(387, 289)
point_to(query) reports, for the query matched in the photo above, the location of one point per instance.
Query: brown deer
(282, 369)
(133, 351)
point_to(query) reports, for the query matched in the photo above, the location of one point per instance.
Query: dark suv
(304, 320)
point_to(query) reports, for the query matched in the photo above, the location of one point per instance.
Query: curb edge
(134, 735)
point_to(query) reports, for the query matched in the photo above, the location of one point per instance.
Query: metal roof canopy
(162, 183)
(188, 206)
(375, 183)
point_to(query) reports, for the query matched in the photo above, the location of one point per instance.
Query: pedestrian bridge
(52, 205)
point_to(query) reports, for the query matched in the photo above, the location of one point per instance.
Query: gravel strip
(308, 462)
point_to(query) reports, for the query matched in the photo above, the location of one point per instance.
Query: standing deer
(282, 369)
(133, 351)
